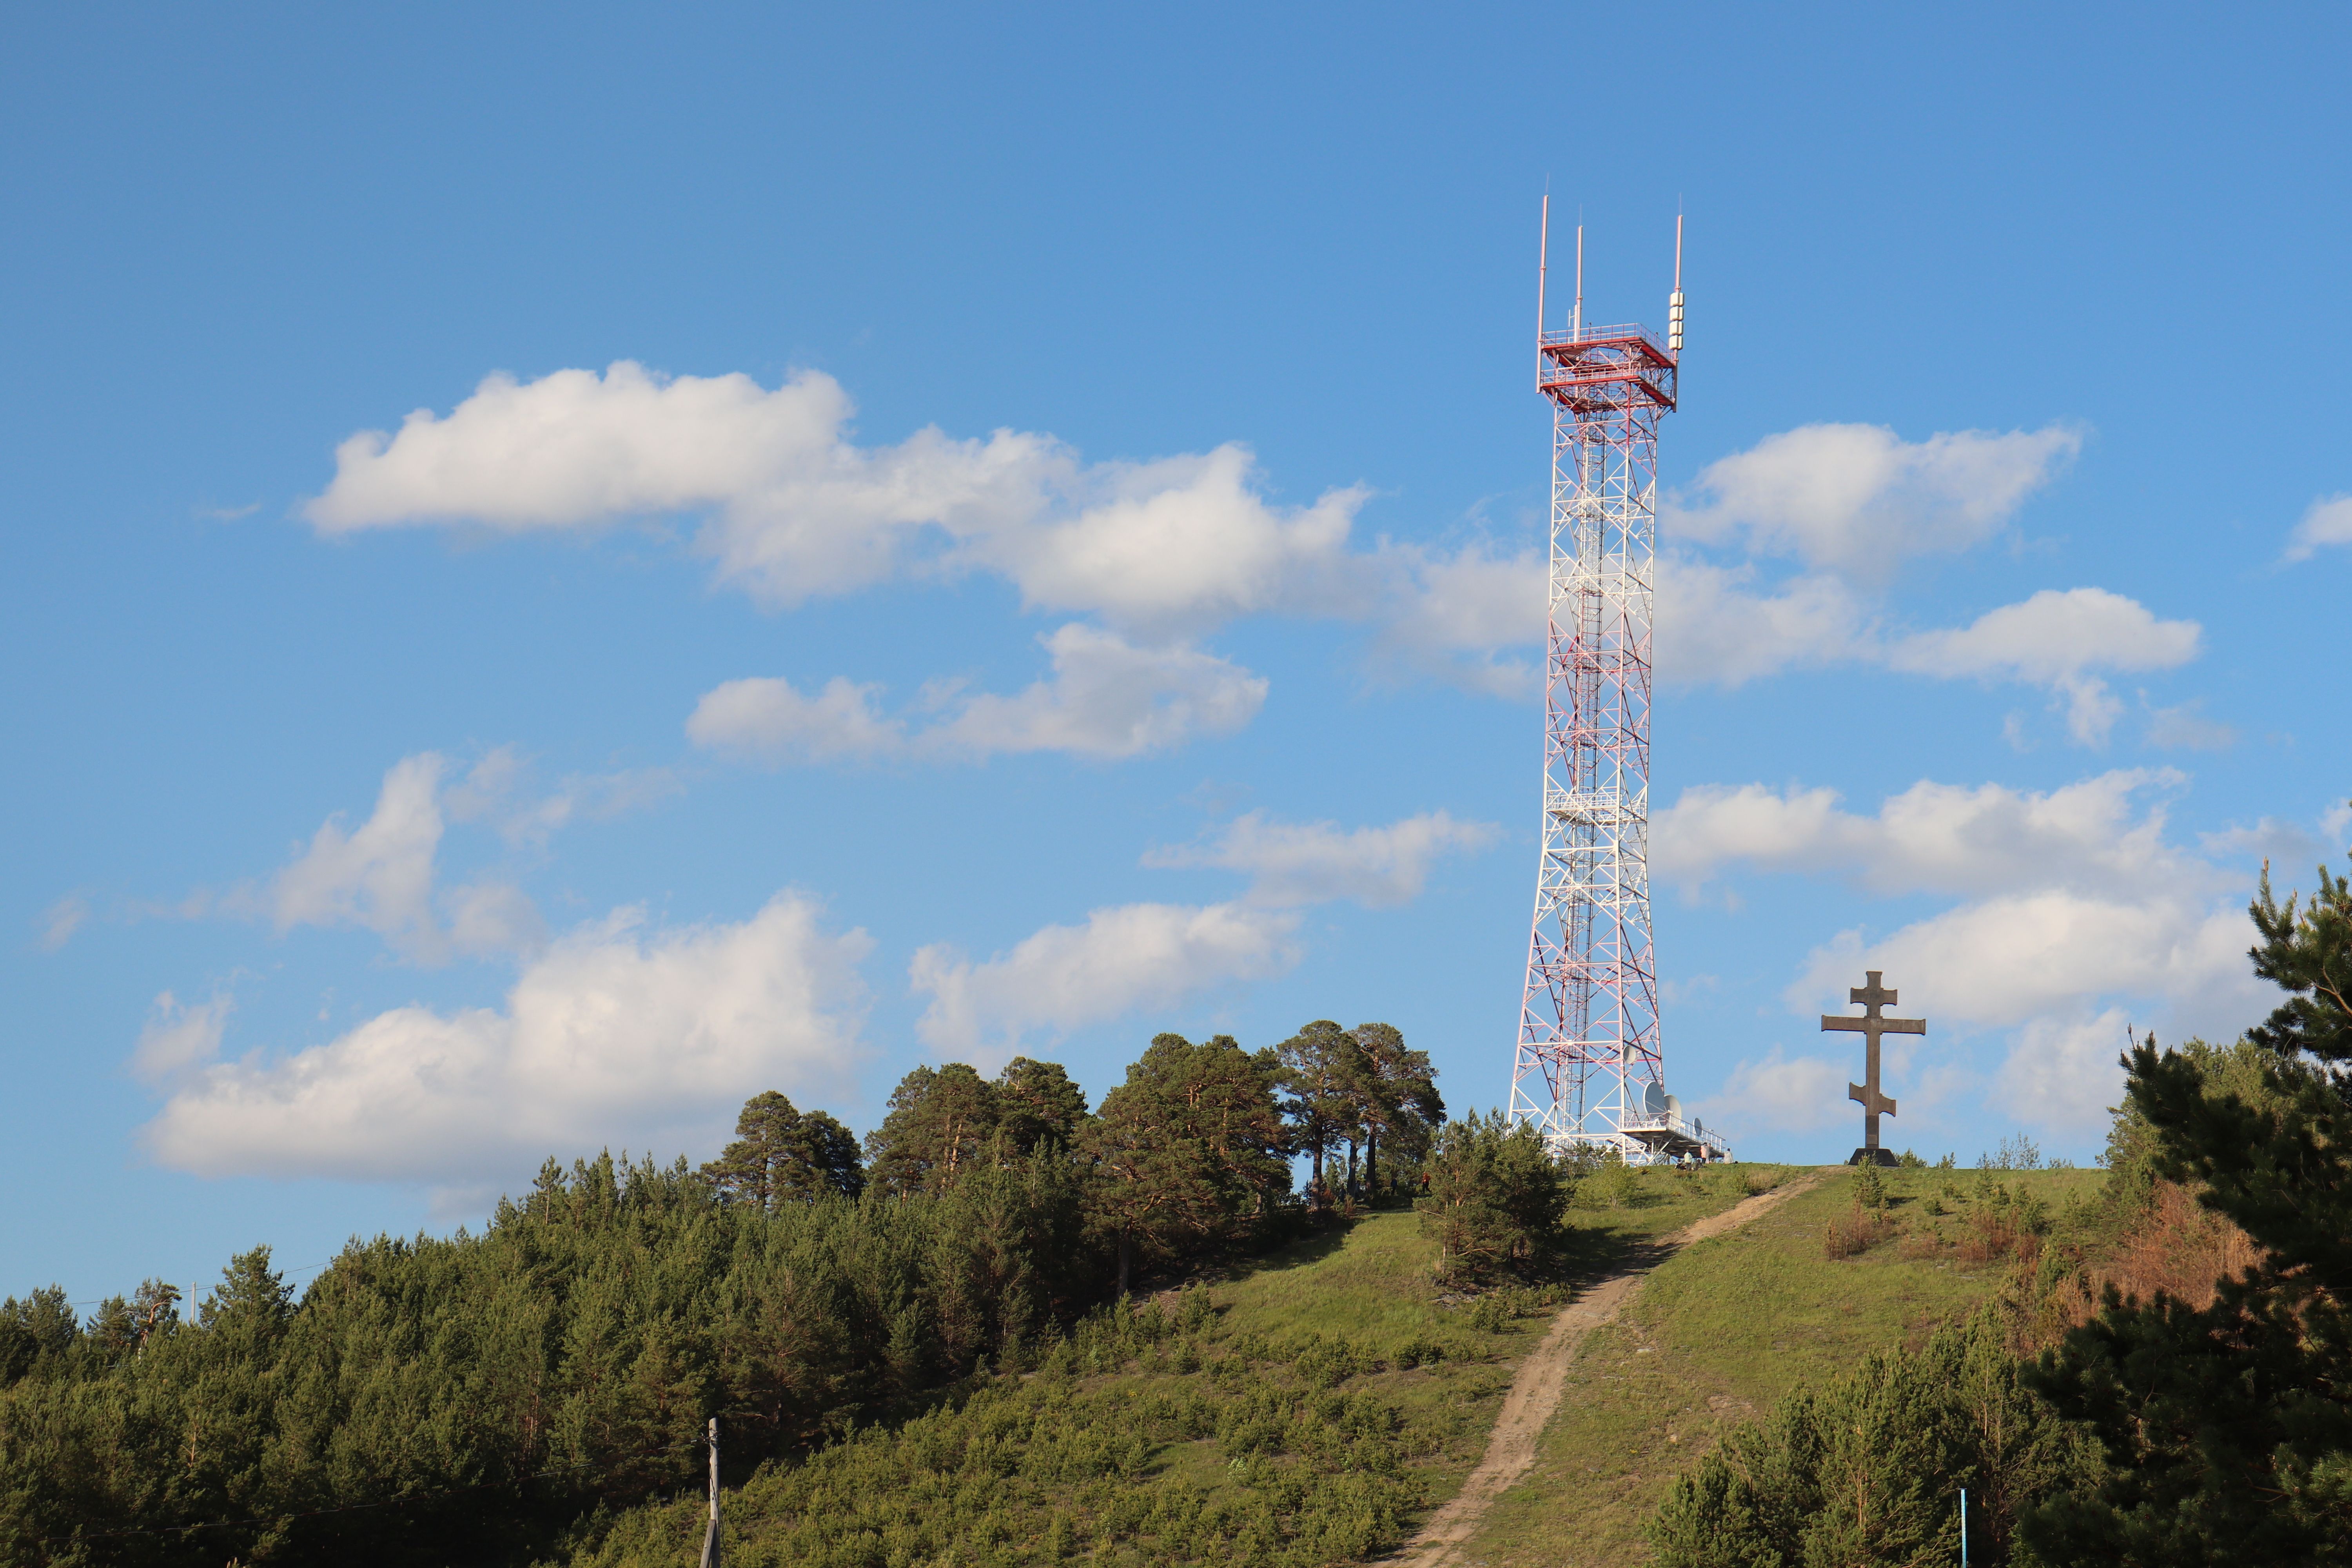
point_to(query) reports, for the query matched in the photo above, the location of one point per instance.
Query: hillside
(1725, 1328)
(1318, 1405)
(1312, 1408)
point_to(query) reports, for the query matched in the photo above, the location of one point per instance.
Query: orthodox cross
(1870, 1027)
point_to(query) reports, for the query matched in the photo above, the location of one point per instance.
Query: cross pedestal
(1870, 1027)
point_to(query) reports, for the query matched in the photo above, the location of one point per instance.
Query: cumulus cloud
(767, 716)
(793, 507)
(2071, 902)
(789, 505)
(1179, 544)
(1800, 1094)
(1714, 627)
(380, 877)
(1152, 954)
(2064, 1074)
(1317, 862)
(2328, 521)
(2093, 835)
(1064, 977)
(1106, 699)
(2056, 639)
(612, 1037)
(179, 1037)
(1999, 961)
(1859, 499)
(1453, 615)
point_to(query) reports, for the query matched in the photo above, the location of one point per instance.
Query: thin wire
(282, 1274)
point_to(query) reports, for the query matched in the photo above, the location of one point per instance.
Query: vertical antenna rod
(1674, 301)
(1580, 280)
(1543, 262)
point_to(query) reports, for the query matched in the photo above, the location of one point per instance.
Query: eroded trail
(1536, 1389)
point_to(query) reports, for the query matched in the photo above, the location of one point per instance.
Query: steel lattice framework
(1589, 1068)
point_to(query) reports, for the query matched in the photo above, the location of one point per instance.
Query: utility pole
(710, 1535)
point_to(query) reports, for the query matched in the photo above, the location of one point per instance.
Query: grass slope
(1307, 1410)
(1722, 1331)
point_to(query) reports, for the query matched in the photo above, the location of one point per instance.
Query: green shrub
(1869, 1470)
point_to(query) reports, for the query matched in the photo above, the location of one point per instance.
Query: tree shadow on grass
(1307, 1250)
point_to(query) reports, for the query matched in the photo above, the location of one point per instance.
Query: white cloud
(1803, 1094)
(2070, 901)
(1180, 543)
(380, 877)
(612, 1038)
(1999, 961)
(1859, 499)
(1936, 837)
(769, 717)
(1315, 862)
(1450, 615)
(1065, 977)
(178, 1037)
(1106, 699)
(2056, 639)
(793, 507)
(1712, 628)
(2327, 521)
(495, 790)
(2064, 1074)
(62, 920)
(2186, 728)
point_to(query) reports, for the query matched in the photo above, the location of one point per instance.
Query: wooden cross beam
(1870, 1027)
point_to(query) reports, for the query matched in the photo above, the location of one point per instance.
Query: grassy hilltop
(1725, 1329)
(1318, 1403)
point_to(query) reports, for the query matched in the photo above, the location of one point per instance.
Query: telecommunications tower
(1590, 1069)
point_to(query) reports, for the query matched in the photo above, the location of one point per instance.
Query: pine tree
(782, 1156)
(1187, 1153)
(1869, 1470)
(1319, 1064)
(1037, 1104)
(941, 1121)
(1495, 1198)
(1395, 1093)
(2228, 1431)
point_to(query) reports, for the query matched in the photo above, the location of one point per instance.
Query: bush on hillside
(1495, 1199)
(1868, 1469)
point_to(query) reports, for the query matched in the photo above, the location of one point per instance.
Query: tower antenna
(1674, 301)
(1543, 262)
(1579, 321)
(1590, 1069)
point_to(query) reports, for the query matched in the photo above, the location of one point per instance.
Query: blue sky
(930, 534)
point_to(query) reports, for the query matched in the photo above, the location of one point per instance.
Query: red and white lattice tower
(1589, 1068)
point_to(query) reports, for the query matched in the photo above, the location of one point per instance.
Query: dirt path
(1536, 1390)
